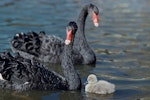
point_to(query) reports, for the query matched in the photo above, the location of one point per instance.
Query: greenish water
(121, 43)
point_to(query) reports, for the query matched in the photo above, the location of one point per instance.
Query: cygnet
(98, 87)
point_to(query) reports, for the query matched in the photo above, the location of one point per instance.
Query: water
(121, 43)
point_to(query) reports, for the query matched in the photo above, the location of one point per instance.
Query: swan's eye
(69, 28)
(96, 11)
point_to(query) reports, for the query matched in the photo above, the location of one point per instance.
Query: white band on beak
(96, 24)
(67, 42)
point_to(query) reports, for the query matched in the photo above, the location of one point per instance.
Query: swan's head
(95, 13)
(70, 32)
(92, 79)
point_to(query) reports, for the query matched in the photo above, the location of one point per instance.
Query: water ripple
(121, 42)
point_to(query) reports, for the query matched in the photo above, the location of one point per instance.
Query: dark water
(121, 43)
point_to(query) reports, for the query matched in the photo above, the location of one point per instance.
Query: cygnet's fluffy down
(98, 87)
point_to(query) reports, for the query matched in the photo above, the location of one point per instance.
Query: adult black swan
(19, 73)
(50, 48)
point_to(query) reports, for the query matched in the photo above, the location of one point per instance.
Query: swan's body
(99, 87)
(49, 48)
(42, 47)
(24, 74)
(81, 43)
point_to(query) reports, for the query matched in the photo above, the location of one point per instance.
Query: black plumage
(49, 48)
(24, 74)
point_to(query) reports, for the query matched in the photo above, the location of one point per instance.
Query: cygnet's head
(92, 79)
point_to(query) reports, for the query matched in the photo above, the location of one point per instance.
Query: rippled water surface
(121, 43)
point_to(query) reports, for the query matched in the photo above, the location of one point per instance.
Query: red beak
(68, 36)
(95, 19)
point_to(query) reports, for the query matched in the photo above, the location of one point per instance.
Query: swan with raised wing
(49, 48)
(19, 73)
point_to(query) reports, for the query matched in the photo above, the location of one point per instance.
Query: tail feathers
(29, 42)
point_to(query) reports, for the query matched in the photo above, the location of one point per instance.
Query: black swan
(49, 48)
(19, 73)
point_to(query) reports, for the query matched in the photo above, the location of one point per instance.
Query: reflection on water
(121, 43)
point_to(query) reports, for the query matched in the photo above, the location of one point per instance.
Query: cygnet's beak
(86, 83)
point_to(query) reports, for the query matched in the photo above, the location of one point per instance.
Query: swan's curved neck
(81, 21)
(80, 39)
(69, 72)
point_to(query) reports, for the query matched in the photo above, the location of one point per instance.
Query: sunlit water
(121, 43)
